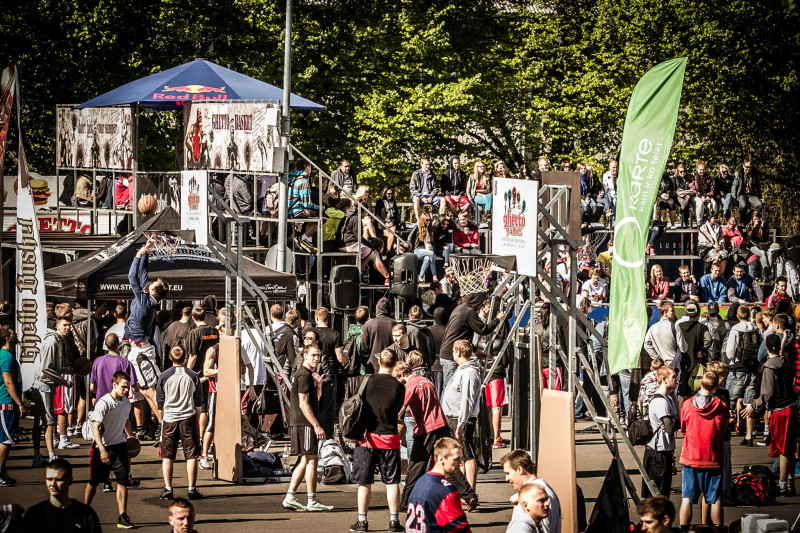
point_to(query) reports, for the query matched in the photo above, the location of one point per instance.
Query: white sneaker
(67, 444)
(318, 507)
(204, 464)
(293, 504)
(72, 431)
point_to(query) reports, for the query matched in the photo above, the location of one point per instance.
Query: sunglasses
(309, 338)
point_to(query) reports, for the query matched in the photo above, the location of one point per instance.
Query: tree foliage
(481, 78)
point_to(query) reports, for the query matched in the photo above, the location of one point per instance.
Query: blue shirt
(9, 363)
(139, 326)
(713, 290)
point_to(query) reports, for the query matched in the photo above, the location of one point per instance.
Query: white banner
(514, 221)
(30, 295)
(95, 137)
(194, 204)
(239, 137)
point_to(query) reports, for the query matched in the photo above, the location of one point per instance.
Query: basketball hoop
(472, 272)
(164, 245)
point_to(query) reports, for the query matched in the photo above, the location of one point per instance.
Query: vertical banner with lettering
(8, 81)
(646, 142)
(194, 204)
(514, 216)
(30, 301)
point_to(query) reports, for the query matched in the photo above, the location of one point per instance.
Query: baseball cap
(713, 308)
(692, 309)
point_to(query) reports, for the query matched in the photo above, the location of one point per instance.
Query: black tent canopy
(192, 273)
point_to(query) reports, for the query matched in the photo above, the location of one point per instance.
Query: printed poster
(94, 137)
(194, 202)
(515, 222)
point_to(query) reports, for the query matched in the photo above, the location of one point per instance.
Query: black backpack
(640, 432)
(350, 350)
(747, 349)
(352, 416)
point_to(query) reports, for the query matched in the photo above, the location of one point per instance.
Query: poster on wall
(235, 136)
(514, 222)
(194, 200)
(99, 137)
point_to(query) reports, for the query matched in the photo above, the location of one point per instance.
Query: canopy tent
(191, 274)
(196, 80)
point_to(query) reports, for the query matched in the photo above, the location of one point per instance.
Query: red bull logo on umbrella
(190, 92)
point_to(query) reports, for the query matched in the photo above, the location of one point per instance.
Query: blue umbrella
(194, 81)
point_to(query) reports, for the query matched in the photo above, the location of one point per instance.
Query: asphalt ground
(249, 508)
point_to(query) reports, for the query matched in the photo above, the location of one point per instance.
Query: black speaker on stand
(403, 272)
(345, 283)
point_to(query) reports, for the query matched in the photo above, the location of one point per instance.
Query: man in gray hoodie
(461, 405)
(49, 368)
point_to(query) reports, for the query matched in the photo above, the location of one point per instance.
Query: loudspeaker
(345, 287)
(403, 271)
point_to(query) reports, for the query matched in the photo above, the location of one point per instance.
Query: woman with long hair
(479, 190)
(422, 240)
(658, 286)
(386, 211)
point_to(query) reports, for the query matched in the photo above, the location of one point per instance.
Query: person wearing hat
(698, 344)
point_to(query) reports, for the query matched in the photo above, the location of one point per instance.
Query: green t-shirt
(8, 363)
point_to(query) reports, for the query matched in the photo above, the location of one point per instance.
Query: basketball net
(165, 245)
(472, 272)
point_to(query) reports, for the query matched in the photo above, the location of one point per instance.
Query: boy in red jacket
(704, 420)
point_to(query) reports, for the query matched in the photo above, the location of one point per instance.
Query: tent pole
(283, 192)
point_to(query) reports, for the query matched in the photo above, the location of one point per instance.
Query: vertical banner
(514, 221)
(194, 204)
(646, 142)
(8, 80)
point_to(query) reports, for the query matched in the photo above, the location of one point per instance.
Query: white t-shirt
(552, 524)
(597, 293)
(113, 415)
(658, 408)
(119, 329)
(249, 354)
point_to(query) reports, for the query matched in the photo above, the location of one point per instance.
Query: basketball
(82, 366)
(147, 204)
(134, 447)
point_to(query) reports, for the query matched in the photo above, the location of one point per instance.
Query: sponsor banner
(43, 189)
(514, 222)
(646, 142)
(8, 83)
(238, 137)
(182, 93)
(70, 223)
(96, 137)
(194, 199)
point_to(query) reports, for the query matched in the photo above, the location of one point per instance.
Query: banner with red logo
(194, 204)
(514, 221)
(232, 136)
(8, 83)
(94, 137)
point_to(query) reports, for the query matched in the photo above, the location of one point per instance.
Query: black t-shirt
(176, 334)
(303, 383)
(201, 339)
(329, 340)
(76, 517)
(384, 397)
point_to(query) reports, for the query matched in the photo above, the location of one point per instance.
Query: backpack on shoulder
(640, 432)
(747, 350)
(352, 416)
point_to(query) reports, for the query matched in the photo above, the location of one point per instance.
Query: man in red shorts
(496, 398)
(778, 396)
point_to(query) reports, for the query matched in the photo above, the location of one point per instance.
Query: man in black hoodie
(209, 303)
(454, 185)
(463, 324)
(376, 335)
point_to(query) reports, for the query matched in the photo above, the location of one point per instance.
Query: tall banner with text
(30, 302)
(8, 80)
(646, 142)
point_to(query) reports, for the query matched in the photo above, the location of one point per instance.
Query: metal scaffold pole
(283, 193)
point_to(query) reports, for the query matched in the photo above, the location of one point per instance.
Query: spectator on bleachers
(746, 188)
(743, 288)
(704, 201)
(734, 240)
(367, 223)
(424, 187)
(779, 293)
(479, 190)
(711, 242)
(604, 260)
(331, 197)
(442, 238)
(350, 241)
(757, 241)
(524, 173)
(595, 289)
(666, 200)
(686, 286)
(386, 210)
(713, 287)
(722, 190)
(587, 201)
(240, 193)
(344, 177)
(658, 287)
(334, 215)
(466, 239)
(500, 169)
(685, 192)
(610, 183)
(301, 205)
(421, 240)
(454, 187)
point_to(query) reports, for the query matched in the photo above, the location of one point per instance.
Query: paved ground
(246, 507)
